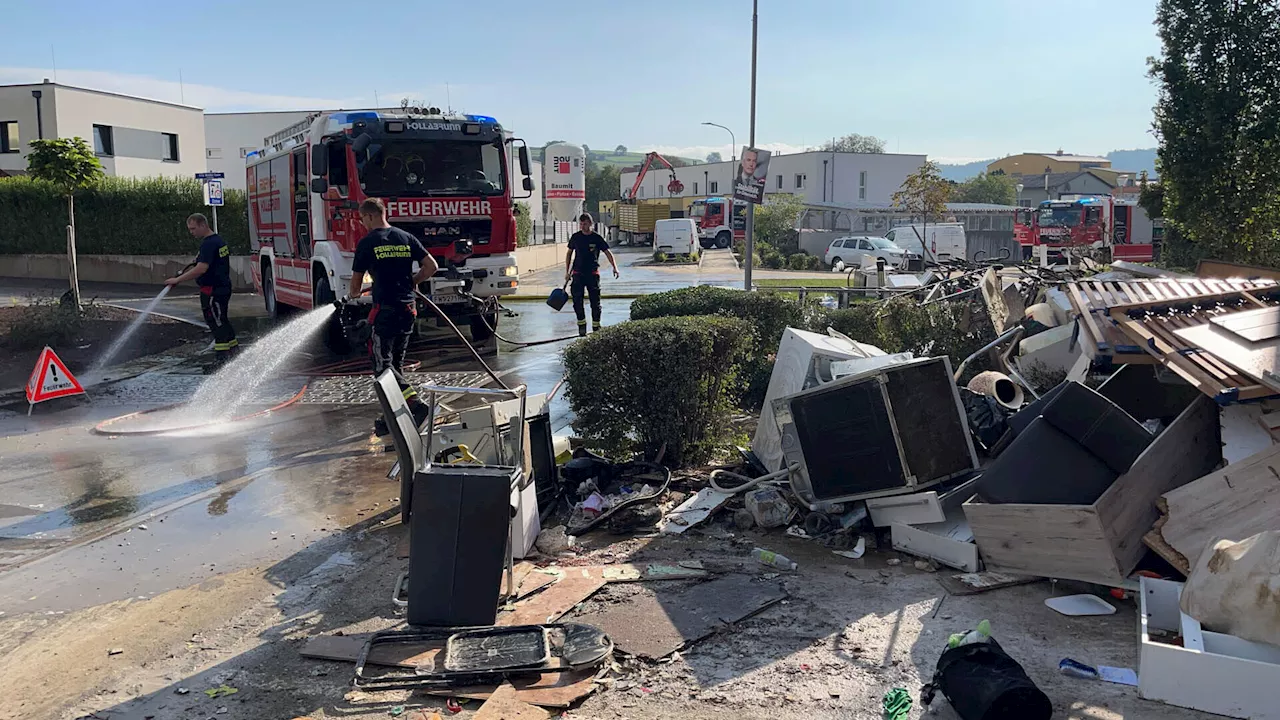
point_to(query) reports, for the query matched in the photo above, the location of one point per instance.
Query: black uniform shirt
(389, 254)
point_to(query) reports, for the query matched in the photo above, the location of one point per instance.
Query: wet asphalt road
(73, 505)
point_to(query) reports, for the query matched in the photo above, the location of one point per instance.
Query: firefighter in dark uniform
(212, 271)
(388, 254)
(582, 268)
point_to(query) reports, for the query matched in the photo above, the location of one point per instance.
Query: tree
(602, 184)
(713, 157)
(986, 188)
(775, 223)
(1217, 119)
(855, 143)
(69, 165)
(620, 150)
(924, 194)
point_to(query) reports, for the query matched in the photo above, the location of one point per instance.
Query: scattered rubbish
(554, 541)
(1232, 588)
(1119, 676)
(553, 602)
(221, 691)
(115, 651)
(453, 706)
(926, 566)
(893, 561)
(773, 559)
(980, 634)
(693, 511)
(896, 704)
(796, 531)
(594, 505)
(982, 682)
(768, 508)
(221, 710)
(743, 520)
(1079, 605)
(142, 527)
(857, 552)
(980, 582)
(505, 704)
(1185, 665)
(631, 573)
(656, 624)
(181, 691)
(997, 385)
(948, 543)
(396, 711)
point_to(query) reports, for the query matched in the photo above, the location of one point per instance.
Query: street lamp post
(733, 142)
(749, 246)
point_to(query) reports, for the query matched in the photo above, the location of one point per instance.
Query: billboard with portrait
(749, 180)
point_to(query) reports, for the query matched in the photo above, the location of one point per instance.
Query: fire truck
(445, 179)
(1101, 225)
(715, 226)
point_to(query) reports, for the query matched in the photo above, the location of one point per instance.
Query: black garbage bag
(982, 682)
(986, 417)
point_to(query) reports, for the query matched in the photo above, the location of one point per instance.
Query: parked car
(677, 236)
(851, 251)
(946, 241)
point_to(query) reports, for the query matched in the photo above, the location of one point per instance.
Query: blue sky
(954, 80)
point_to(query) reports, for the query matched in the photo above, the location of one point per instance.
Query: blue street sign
(210, 176)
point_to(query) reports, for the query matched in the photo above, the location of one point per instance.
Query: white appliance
(803, 361)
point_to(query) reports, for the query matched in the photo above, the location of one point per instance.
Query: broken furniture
(803, 361)
(887, 431)
(1095, 539)
(457, 657)
(1232, 589)
(459, 516)
(1209, 671)
(1233, 503)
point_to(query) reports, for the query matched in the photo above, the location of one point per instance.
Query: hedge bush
(120, 217)
(640, 385)
(903, 325)
(767, 315)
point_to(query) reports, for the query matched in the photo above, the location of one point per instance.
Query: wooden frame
(1101, 542)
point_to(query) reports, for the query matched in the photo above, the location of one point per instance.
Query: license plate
(447, 299)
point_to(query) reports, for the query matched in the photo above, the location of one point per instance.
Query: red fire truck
(1116, 228)
(715, 226)
(445, 179)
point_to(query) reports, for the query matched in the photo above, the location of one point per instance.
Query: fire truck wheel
(480, 332)
(724, 239)
(269, 292)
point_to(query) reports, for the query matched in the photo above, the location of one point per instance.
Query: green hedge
(767, 315)
(640, 385)
(902, 325)
(120, 217)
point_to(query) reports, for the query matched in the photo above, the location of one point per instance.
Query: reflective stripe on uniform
(582, 322)
(409, 392)
(223, 347)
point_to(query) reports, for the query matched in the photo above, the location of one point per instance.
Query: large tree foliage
(986, 188)
(602, 184)
(775, 222)
(855, 143)
(1218, 123)
(924, 193)
(714, 157)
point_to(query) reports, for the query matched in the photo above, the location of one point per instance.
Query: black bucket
(982, 682)
(557, 298)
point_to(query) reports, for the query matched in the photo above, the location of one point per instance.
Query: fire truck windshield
(418, 168)
(698, 210)
(1061, 216)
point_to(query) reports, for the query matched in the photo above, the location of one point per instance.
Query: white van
(944, 241)
(677, 236)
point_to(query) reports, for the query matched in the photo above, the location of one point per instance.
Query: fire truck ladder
(290, 136)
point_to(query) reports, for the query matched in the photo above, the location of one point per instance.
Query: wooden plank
(1086, 312)
(1058, 541)
(1190, 447)
(1159, 347)
(554, 690)
(980, 582)
(1233, 503)
(1223, 269)
(505, 704)
(554, 601)
(1258, 361)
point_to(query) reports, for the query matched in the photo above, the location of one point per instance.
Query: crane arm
(644, 170)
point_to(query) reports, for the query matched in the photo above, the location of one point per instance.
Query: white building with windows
(133, 137)
(229, 137)
(816, 177)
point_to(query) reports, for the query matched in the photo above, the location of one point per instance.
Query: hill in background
(1133, 160)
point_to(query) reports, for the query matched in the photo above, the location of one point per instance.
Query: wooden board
(1260, 361)
(347, 648)
(552, 690)
(554, 601)
(980, 582)
(1233, 503)
(504, 704)
(1223, 269)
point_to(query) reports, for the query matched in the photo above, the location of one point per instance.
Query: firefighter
(212, 271)
(582, 267)
(388, 254)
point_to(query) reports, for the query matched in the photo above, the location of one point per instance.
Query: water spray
(105, 359)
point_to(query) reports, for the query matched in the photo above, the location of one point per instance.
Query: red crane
(675, 187)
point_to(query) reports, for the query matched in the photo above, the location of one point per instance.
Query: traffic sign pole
(215, 218)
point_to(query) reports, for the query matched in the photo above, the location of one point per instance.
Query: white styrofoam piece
(793, 372)
(914, 509)
(1077, 605)
(1051, 348)
(1232, 677)
(1242, 432)
(949, 542)
(693, 511)
(1061, 305)
(526, 525)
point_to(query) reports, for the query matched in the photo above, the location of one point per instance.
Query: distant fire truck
(1117, 229)
(447, 180)
(717, 227)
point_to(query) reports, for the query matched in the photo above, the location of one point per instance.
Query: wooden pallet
(1152, 324)
(1103, 340)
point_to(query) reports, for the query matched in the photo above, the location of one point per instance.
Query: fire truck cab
(1120, 229)
(447, 180)
(716, 228)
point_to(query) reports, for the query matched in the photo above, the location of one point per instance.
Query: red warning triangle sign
(51, 379)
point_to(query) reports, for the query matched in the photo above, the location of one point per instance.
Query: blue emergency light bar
(481, 119)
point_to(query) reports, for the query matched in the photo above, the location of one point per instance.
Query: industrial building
(133, 137)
